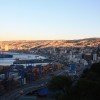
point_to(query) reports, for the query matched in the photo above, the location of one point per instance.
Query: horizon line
(51, 39)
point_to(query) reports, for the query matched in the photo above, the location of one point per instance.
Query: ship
(6, 56)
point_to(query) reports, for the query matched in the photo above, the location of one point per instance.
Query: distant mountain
(89, 39)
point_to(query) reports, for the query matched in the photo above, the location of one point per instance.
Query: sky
(49, 19)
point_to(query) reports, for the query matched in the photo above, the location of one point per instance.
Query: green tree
(62, 85)
(88, 86)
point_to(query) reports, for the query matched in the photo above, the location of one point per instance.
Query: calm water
(9, 61)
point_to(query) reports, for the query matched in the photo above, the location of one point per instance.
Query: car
(42, 84)
(21, 92)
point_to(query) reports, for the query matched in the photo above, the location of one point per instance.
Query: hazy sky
(49, 19)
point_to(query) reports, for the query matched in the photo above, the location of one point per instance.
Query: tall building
(94, 57)
(6, 48)
(1, 47)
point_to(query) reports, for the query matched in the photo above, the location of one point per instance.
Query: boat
(6, 56)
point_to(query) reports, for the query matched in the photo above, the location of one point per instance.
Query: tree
(88, 86)
(62, 86)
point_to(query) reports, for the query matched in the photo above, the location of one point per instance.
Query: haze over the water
(49, 19)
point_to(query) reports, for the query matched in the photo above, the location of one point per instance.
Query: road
(14, 95)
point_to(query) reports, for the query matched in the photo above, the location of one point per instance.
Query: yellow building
(6, 47)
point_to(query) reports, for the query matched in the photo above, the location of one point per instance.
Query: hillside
(91, 42)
